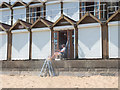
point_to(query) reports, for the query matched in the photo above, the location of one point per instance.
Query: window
(83, 9)
(35, 13)
(112, 7)
(92, 7)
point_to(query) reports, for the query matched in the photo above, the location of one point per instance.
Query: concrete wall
(19, 13)
(41, 44)
(65, 65)
(114, 45)
(5, 16)
(3, 46)
(53, 11)
(89, 41)
(71, 9)
(20, 45)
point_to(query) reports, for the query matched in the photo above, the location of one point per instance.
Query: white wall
(71, 9)
(19, 13)
(5, 16)
(53, 11)
(20, 46)
(41, 44)
(114, 40)
(89, 41)
(3, 46)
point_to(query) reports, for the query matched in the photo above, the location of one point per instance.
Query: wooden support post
(52, 41)
(104, 30)
(44, 11)
(80, 9)
(11, 16)
(76, 42)
(30, 45)
(9, 45)
(27, 13)
(61, 7)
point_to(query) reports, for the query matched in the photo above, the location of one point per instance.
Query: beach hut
(5, 13)
(41, 39)
(114, 35)
(19, 10)
(20, 40)
(72, 5)
(65, 33)
(4, 40)
(89, 37)
(36, 10)
(53, 10)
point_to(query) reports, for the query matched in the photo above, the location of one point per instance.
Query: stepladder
(47, 68)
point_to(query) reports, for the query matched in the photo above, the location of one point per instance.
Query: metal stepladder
(47, 68)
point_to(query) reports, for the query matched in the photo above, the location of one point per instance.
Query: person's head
(63, 45)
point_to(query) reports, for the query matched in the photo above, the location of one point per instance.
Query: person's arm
(62, 50)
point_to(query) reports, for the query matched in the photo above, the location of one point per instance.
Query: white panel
(114, 45)
(5, 16)
(20, 46)
(53, 11)
(3, 46)
(68, 27)
(89, 42)
(19, 13)
(19, 31)
(41, 45)
(40, 29)
(71, 9)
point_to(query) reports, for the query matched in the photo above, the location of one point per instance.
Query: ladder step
(47, 69)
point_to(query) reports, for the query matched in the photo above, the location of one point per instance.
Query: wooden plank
(52, 41)
(30, 45)
(80, 9)
(76, 42)
(27, 14)
(44, 9)
(11, 16)
(105, 50)
(21, 2)
(71, 46)
(9, 46)
(61, 7)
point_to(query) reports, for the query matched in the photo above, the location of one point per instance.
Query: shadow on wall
(40, 39)
(3, 39)
(19, 41)
(113, 36)
(74, 8)
(81, 52)
(89, 37)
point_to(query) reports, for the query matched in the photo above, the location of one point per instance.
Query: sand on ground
(25, 81)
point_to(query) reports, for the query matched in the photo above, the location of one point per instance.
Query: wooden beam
(30, 45)
(105, 43)
(80, 15)
(21, 2)
(9, 46)
(76, 42)
(11, 16)
(52, 41)
(27, 13)
(117, 12)
(44, 10)
(61, 7)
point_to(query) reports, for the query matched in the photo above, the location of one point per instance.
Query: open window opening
(92, 7)
(65, 37)
(112, 8)
(35, 13)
